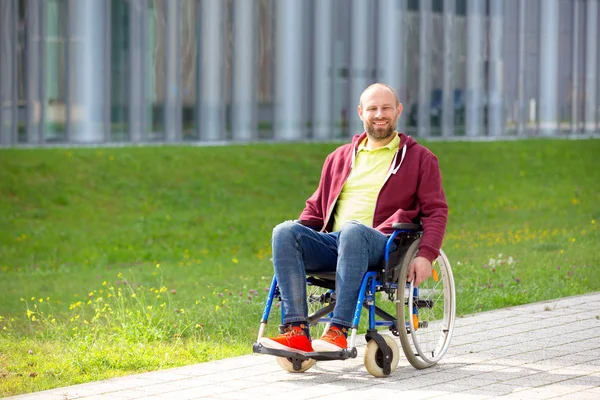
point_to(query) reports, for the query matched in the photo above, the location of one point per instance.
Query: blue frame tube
(269, 302)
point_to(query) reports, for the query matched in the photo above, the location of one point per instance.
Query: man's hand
(419, 269)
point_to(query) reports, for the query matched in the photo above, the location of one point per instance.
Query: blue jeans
(298, 249)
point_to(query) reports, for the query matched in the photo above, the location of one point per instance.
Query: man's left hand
(419, 270)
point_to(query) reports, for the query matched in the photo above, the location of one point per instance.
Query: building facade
(208, 71)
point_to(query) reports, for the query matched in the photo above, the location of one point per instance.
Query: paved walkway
(548, 350)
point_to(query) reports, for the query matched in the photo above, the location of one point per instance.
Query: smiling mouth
(380, 124)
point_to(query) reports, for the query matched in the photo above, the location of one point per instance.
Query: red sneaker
(293, 339)
(334, 339)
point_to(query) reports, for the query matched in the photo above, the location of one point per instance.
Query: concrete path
(548, 350)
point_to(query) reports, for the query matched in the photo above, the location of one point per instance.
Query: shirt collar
(392, 145)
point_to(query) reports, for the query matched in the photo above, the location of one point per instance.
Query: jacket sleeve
(434, 208)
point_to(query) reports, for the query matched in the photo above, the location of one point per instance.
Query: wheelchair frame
(381, 354)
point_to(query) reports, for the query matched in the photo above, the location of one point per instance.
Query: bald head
(378, 88)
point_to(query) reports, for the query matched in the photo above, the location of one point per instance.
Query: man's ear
(400, 108)
(360, 111)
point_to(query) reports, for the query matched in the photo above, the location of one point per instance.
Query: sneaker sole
(271, 344)
(323, 346)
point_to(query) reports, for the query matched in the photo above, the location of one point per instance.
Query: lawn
(122, 260)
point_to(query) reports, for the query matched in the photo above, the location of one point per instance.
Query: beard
(376, 133)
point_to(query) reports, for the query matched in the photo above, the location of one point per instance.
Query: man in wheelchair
(382, 177)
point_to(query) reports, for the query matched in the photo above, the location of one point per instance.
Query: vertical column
(322, 117)
(391, 51)
(8, 73)
(474, 98)
(243, 104)
(107, 57)
(70, 81)
(34, 71)
(360, 39)
(548, 99)
(425, 35)
(173, 70)
(212, 74)
(288, 87)
(496, 70)
(591, 59)
(448, 61)
(575, 68)
(89, 16)
(137, 70)
(522, 118)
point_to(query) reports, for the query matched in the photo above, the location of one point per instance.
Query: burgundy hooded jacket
(412, 192)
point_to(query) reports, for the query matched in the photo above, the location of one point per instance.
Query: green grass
(121, 260)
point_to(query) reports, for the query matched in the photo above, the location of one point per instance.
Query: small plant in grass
(119, 328)
(126, 311)
(503, 280)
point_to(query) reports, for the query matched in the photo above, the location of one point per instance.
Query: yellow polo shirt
(359, 194)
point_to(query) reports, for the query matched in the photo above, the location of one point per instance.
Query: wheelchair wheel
(374, 357)
(427, 312)
(288, 364)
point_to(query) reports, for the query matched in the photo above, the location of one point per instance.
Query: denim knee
(352, 230)
(285, 231)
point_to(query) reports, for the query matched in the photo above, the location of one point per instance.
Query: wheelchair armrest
(407, 226)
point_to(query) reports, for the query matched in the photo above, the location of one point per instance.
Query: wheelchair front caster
(374, 357)
(294, 364)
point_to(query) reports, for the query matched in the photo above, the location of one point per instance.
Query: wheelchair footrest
(318, 356)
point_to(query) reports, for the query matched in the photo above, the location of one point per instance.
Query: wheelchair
(423, 320)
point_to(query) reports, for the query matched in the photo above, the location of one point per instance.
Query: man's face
(379, 112)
